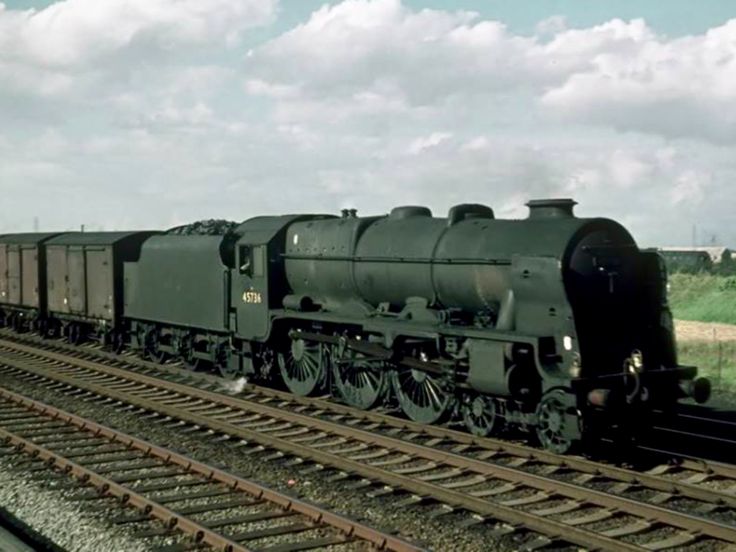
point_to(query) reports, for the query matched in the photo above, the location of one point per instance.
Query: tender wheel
(423, 398)
(151, 350)
(154, 354)
(303, 367)
(186, 354)
(481, 415)
(360, 382)
(558, 426)
(222, 362)
(265, 363)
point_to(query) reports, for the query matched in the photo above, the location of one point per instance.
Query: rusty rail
(346, 529)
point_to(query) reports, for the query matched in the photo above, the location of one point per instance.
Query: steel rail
(350, 529)
(124, 494)
(687, 522)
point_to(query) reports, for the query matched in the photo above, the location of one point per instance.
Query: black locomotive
(553, 323)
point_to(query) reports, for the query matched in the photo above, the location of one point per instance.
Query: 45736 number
(252, 297)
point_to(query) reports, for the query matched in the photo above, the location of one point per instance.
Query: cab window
(245, 260)
(252, 260)
(258, 256)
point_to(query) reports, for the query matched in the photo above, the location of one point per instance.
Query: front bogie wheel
(481, 415)
(558, 422)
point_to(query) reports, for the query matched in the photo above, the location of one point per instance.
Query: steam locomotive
(554, 324)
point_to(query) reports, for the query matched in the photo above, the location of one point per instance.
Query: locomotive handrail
(418, 260)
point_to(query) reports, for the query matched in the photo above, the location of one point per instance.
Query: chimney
(551, 208)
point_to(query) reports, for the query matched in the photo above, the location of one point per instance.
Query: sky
(131, 114)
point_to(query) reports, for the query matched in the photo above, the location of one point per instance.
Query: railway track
(684, 467)
(162, 485)
(564, 498)
(712, 432)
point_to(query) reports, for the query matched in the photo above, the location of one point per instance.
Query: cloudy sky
(149, 113)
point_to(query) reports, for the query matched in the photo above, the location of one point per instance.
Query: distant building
(697, 259)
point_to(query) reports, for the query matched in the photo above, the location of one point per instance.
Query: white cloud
(75, 46)
(153, 113)
(619, 73)
(257, 87)
(479, 143)
(682, 87)
(551, 26)
(431, 141)
(689, 187)
(73, 32)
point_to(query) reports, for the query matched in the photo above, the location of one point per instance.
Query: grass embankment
(715, 360)
(703, 297)
(707, 298)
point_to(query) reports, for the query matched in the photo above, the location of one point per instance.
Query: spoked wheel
(557, 427)
(423, 398)
(360, 382)
(154, 354)
(151, 349)
(222, 362)
(481, 415)
(303, 367)
(187, 354)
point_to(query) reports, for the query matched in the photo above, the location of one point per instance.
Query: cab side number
(253, 297)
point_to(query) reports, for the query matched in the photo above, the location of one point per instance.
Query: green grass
(703, 297)
(707, 298)
(715, 360)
